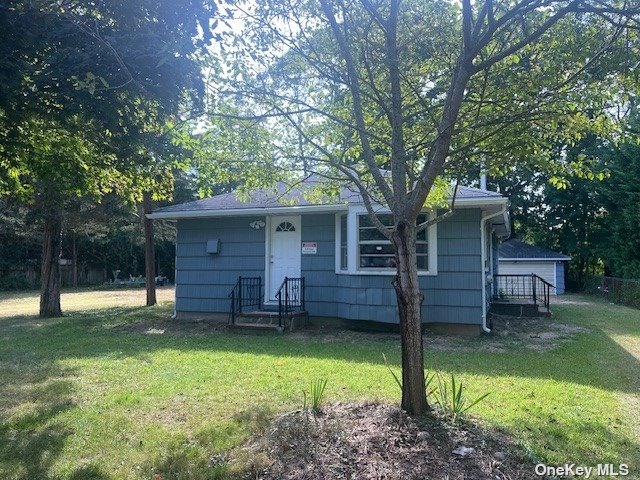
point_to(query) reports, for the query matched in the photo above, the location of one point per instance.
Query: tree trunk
(414, 396)
(74, 254)
(149, 251)
(50, 271)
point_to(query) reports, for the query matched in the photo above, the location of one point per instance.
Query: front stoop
(262, 321)
(518, 308)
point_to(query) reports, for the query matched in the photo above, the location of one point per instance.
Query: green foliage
(92, 115)
(512, 114)
(449, 397)
(393, 374)
(314, 399)
(15, 282)
(591, 214)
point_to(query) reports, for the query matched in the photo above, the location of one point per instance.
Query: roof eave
(535, 259)
(480, 202)
(295, 209)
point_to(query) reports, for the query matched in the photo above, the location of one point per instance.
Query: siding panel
(204, 281)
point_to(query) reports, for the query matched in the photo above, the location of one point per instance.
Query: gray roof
(515, 249)
(282, 196)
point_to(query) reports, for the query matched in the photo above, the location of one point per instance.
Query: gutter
(483, 255)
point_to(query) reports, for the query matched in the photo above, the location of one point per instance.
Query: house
(239, 256)
(520, 258)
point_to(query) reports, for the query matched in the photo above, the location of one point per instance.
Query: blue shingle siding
(204, 280)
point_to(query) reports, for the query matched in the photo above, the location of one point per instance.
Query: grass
(87, 397)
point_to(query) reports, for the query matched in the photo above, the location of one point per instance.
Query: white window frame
(352, 245)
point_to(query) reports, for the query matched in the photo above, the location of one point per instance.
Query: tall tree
(87, 90)
(390, 96)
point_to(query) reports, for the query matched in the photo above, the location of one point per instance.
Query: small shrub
(14, 282)
(395, 377)
(449, 397)
(316, 394)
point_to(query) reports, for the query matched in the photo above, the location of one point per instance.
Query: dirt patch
(534, 333)
(375, 441)
(508, 334)
(169, 326)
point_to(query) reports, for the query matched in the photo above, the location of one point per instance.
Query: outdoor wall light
(258, 224)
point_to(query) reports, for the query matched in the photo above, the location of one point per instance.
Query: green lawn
(91, 395)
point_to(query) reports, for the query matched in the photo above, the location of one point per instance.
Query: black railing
(525, 286)
(247, 293)
(291, 297)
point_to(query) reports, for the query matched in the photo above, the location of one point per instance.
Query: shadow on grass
(33, 395)
(588, 360)
(204, 456)
(31, 440)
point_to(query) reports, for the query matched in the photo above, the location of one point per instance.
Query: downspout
(483, 245)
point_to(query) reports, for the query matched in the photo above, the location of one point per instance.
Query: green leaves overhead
(284, 68)
(89, 93)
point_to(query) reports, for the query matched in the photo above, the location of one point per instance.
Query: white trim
(533, 259)
(337, 244)
(478, 202)
(295, 209)
(352, 245)
(267, 257)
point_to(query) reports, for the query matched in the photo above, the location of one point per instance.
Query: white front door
(284, 260)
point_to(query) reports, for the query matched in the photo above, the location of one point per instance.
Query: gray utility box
(213, 246)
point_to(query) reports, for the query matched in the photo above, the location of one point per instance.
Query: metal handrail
(294, 297)
(247, 292)
(524, 286)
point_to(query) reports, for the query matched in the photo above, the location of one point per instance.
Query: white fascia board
(480, 202)
(501, 259)
(460, 202)
(297, 209)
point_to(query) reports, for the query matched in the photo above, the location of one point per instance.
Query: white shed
(520, 258)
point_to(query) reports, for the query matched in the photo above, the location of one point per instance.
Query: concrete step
(256, 327)
(265, 320)
(269, 314)
(270, 307)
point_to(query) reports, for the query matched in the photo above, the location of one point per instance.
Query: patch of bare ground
(508, 333)
(377, 441)
(533, 333)
(169, 326)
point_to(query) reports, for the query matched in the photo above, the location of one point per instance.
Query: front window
(376, 252)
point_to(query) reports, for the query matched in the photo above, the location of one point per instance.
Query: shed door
(285, 251)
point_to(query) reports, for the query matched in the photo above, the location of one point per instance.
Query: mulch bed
(379, 441)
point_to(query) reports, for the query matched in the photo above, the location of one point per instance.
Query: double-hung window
(375, 251)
